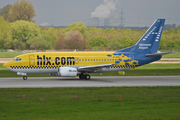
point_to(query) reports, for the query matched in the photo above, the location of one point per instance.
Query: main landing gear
(82, 76)
(25, 78)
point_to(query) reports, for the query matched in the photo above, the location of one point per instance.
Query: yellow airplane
(71, 64)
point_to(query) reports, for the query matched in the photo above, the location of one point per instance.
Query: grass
(159, 66)
(90, 103)
(93, 103)
(9, 54)
(168, 61)
(1, 67)
(146, 72)
(172, 55)
(12, 55)
(149, 69)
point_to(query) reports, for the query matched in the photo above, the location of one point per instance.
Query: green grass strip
(172, 55)
(9, 54)
(90, 103)
(159, 66)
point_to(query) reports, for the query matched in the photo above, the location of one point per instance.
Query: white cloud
(105, 9)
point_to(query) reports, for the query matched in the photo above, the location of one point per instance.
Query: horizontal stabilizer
(157, 54)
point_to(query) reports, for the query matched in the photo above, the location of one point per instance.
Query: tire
(25, 78)
(87, 77)
(81, 76)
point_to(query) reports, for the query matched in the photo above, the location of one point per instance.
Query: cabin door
(76, 60)
(31, 60)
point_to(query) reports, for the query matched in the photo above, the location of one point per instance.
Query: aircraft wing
(93, 67)
(157, 54)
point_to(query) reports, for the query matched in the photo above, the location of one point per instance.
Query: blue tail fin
(149, 42)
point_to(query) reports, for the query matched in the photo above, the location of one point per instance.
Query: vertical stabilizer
(149, 42)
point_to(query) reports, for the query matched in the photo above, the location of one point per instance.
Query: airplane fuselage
(49, 62)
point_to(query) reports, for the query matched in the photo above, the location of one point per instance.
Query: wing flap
(93, 67)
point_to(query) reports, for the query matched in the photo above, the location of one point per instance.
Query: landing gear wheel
(25, 78)
(87, 77)
(81, 76)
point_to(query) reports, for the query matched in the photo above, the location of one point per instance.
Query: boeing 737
(72, 64)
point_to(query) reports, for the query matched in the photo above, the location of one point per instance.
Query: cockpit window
(17, 59)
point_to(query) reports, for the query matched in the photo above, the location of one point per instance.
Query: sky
(136, 13)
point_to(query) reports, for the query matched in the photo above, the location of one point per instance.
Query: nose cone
(5, 65)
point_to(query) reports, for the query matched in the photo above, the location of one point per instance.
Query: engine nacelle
(67, 72)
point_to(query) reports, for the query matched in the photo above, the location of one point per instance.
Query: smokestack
(106, 22)
(112, 21)
(94, 21)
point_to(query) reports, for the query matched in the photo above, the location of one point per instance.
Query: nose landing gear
(25, 78)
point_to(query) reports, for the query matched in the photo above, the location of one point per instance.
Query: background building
(94, 21)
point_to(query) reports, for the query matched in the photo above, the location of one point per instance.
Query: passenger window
(99, 59)
(85, 59)
(82, 59)
(79, 59)
(96, 59)
(104, 59)
(107, 59)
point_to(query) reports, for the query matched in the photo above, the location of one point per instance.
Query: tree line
(19, 32)
(23, 34)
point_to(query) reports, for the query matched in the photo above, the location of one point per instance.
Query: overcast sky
(136, 12)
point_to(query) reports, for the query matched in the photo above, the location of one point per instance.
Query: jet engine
(67, 72)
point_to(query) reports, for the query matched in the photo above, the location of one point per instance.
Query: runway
(108, 81)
